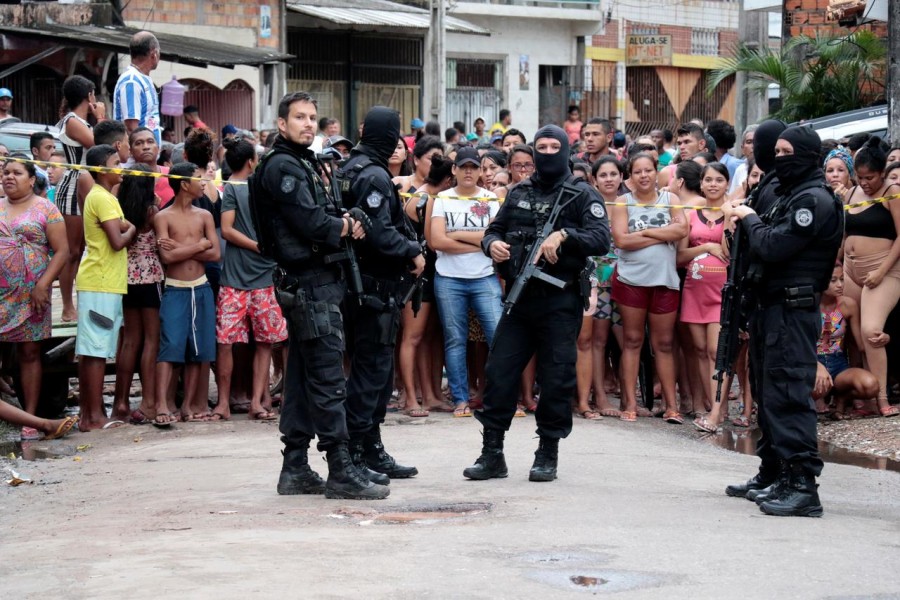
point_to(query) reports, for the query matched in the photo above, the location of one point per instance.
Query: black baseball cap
(467, 155)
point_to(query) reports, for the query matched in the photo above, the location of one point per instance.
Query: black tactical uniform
(384, 260)
(299, 227)
(793, 246)
(546, 319)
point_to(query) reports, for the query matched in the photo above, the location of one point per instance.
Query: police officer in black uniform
(546, 319)
(389, 259)
(300, 227)
(793, 247)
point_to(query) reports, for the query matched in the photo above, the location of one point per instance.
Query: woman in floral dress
(31, 229)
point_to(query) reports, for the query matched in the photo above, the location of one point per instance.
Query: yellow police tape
(155, 174)
(113, 170)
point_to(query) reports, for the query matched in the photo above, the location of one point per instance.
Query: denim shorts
(99, 321)
(835, 363)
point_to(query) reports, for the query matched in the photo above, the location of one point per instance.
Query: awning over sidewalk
(173, 48)
(378, 13)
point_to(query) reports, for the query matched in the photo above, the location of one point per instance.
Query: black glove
(360, 215)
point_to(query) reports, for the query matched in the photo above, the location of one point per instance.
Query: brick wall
(242, 14)
(807, 17)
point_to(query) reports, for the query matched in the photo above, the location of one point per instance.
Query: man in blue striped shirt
(135, 100)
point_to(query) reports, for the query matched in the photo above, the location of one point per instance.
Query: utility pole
(893, 88)
(437, 83)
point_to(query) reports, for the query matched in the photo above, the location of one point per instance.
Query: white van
(872, 120)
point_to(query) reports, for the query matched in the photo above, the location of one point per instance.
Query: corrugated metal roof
(174, 48)
(381, 14)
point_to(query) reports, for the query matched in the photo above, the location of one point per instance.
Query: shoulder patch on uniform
(597, 210)
(525, 204)
(288, 183)
(803, 217)
(374, 200)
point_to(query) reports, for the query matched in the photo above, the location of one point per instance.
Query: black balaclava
(764, 143)
(381, 131)
(551, 169)
(796, 168)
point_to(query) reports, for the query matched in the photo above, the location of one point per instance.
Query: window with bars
(472, 73)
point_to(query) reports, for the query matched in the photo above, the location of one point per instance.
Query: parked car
(17, 136)
(872, 120)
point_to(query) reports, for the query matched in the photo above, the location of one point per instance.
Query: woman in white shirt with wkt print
(465, 276)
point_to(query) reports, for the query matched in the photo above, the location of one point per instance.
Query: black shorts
(143, 295)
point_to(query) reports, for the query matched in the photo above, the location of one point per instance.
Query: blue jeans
(455, 296)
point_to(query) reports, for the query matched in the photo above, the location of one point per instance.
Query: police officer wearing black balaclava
(793, 246)
(299, 227)
(546, 319)
(389, 257)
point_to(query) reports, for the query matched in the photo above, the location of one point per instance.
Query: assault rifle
(347, 253)
(533, 268)
(733, 316)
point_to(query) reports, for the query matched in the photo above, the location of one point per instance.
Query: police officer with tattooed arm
(389, 259)
(546, 313)
(793, 246)
(300, 227)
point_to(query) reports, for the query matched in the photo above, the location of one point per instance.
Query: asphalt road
(638, 511)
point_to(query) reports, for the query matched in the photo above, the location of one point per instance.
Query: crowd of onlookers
(161, 270)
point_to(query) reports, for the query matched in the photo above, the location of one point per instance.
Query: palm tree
(818, 76)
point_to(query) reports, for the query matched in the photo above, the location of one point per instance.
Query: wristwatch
(564, 233)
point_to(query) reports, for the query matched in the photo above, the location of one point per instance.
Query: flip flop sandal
(29, 433)
(673, 417)
(64, 428)
(113, 424)
(629, 416)
(139, 418)
(590, 415)
(416, 412)
(162, 425)
(704, 425)
(462, 411)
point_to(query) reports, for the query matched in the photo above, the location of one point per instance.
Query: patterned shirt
(135, 97)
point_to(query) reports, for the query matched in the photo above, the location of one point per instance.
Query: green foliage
(818, 76)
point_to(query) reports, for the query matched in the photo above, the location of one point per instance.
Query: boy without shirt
(187, 239)
(101, 282)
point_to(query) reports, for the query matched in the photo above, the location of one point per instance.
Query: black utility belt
(799, 296)
(385, 287)
(297, 279)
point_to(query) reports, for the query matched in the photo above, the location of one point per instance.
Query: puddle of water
(585, 581)
(36, 450)
(419, 514)
(744, 442)
(596, 582)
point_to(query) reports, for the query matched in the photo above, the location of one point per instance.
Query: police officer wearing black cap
(546, 319)
(299, 227)
(389, 258)
(793, 246)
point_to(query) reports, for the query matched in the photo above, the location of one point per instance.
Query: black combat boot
(377, 458)
(491, 463)
(356, 455)
(544, 467)
(772, 491)
(344, 480)
(764, 478)
(297, 477)
(799, 498)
